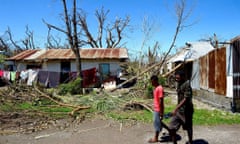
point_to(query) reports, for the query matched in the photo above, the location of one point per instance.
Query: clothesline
(48, 78)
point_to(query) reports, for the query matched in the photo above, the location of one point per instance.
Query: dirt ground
(112, 132)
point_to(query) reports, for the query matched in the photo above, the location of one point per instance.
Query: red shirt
(1, 73)
(157, 94)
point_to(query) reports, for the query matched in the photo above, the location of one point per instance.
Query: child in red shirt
(158, 107)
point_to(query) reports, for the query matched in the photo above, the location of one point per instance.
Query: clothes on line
(49, 78)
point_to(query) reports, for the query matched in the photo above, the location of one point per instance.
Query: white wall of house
(56, 66)
(21, 66)
(52, 66)
(114, 66)
(85, 65)
(45, 66)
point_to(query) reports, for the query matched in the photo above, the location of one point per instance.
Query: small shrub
(73, 87)
(149, 91)
(162, 81)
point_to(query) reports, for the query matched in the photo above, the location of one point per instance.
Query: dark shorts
(179, 120)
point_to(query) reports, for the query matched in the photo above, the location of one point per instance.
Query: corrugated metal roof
(23, 55)
(104, 53)
(57, 54)
(196, 50)
(36, 54)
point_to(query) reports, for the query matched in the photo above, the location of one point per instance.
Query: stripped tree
(7, 41)
(71, 32)
(78, 33)
(113, 32)
(182, 15)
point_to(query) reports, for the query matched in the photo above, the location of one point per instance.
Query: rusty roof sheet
(35, 55)
(23, 55)
(63, 54)
(57, 54)
(110, 53)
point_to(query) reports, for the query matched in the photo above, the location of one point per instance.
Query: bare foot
(152, 140)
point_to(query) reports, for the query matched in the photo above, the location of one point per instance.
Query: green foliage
(112, 106)
(44, 107)
(11, 107)
(42, 101)
(103, 105)
(149, 91)
(200, 117)
(25, 106)
(73, 87)
(2, 58)
(37, 105)
(55, 109)
(214, 117)
(162, 81)
(7, 107)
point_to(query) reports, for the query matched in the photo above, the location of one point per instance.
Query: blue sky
(209, 16)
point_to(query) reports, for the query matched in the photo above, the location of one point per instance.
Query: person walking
(158, 107)
(182, 115)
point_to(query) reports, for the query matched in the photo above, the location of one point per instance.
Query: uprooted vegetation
(29, 109)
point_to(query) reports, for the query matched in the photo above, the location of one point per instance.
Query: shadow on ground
(167, 138)
(200, 141)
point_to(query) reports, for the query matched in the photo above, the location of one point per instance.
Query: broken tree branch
(173, 70)
(54, 27)
(145, 106)
(76, 108)
(181, 18)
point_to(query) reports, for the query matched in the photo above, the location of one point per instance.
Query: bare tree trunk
(12, 41)
(73, 38)
(75, 44)
(3, 45)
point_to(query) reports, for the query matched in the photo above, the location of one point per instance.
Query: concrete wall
(56, 66)
(53, 66)
(213, 99)
(21, 66)
(114, 66)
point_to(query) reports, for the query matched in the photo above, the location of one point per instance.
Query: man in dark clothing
(183, 113)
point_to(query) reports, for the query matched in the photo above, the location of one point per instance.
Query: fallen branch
(135, 104)
(8, 132)
(173, 70)
(76, 108)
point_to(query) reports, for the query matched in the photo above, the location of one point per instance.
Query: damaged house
(184, 59)
(57, 66)
(214, 74)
